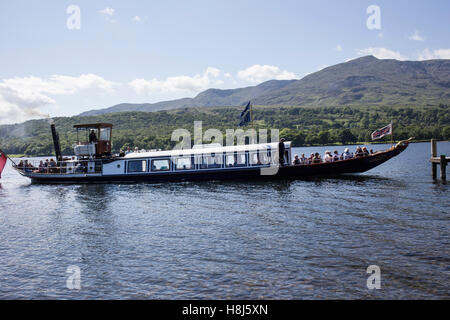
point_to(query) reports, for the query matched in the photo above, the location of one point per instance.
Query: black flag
(247, 108)
(245, 119)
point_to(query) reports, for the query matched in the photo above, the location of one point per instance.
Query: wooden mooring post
(442, 160)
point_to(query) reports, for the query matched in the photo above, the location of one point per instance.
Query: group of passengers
(44, 166)
(25, 166)
(331, 157)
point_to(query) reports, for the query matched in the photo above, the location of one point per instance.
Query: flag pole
(392, 134)
(251, 114)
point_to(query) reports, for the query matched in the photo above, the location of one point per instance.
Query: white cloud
(258, 73)
(137, 19)
(381, 53)
(181, 83)
(21, 98)
(338, 48)
(107, 11)
(12, 113)
(416, 36)
(427, 54)
(57, 84)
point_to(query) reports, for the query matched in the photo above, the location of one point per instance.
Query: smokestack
(56, 142)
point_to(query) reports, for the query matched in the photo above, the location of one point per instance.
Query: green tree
(347, 136)
(323, 137)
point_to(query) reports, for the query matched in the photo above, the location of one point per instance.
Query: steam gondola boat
(94, 163)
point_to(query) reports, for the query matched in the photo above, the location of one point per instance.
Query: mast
(251, 114)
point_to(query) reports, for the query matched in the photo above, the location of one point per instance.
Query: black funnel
(56, 143)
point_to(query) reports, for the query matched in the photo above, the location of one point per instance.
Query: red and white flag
(3, 160)
(380, 133)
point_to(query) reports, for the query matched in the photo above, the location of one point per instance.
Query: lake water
(307, 239)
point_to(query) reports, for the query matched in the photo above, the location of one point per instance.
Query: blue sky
(148, 51)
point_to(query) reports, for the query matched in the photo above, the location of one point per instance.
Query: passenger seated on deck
(317, 158)
(52, 166)
(41, 168)
(358, 152)
(310, 159)
(336, 156)
(26, 166)
(296, 160)
(29, 167)
(328, 157)
(365, 152)
(303, 159)
(20, 165)
(346, 154)
(46, 165)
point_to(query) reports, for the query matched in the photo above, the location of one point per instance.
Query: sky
(61, 58)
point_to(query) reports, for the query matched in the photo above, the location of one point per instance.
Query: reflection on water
(312, 238)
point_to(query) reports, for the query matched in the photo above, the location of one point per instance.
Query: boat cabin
(93, 140)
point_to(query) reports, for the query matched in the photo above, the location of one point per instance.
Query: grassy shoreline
(18, 156)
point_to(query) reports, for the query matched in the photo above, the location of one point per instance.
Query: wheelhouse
(93, 140)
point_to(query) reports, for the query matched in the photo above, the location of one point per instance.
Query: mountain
(369, 81)
(207, 98)
(363, 81)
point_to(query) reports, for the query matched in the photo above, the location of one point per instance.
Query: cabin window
(260, 158)
(184, 163)
(105, 134)
(160, 165)
(255, 159)
(211, 161)
(137, 166)
(236, 160)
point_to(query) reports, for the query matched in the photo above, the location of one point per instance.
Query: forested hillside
(302, 125)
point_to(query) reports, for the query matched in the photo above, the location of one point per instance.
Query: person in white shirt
(346, 155)
(328, 157)
(303, 159)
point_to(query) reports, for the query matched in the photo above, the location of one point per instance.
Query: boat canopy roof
(94, 125)
(207, 149)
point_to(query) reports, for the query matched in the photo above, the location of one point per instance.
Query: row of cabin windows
(205, 162)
